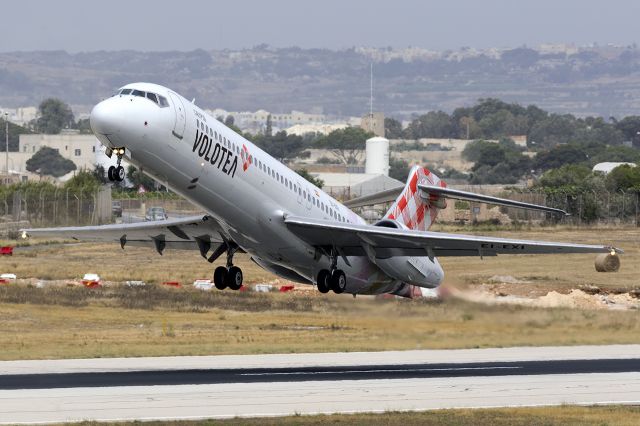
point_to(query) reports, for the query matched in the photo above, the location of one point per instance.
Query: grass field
(538, 416)
(77, 323)
(64, 322)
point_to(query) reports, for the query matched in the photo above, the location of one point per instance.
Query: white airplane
(257, 205)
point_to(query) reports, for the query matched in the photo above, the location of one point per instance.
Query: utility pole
(6, 140)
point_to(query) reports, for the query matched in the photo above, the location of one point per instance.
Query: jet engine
(418, 270)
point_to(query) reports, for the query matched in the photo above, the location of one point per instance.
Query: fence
(38, 207)
(584, 208)
(47, 206)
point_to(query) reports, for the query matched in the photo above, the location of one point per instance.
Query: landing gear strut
(116, 173)
(332, 278)
(229, 276)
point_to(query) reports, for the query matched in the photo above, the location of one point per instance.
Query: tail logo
(410, 208)
(247, 159)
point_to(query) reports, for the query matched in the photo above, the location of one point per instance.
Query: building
(373, 123)
(323, 129)
(82, 149)
(20, 116)
(607, 167)
(256, 122)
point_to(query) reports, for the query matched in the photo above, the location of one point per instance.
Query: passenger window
(125, 91)
(163, 101)
(153, 97)
(138, 93)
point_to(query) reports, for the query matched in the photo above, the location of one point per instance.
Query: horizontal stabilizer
(386, 196)
(456, 194)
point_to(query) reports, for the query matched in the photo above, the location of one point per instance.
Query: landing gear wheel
(234, 278)
(111, 173)
(119, 174)
(338, 281)
(323, 281)
(220, 277)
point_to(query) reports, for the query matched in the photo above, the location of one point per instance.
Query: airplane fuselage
(243, 188)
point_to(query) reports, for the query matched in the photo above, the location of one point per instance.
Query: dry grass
(64, 322)
(78, 323)
(554, 272)
(563, 415)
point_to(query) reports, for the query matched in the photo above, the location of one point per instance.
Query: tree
(434, 124)
(630, 128)
(399, 169)
(269, 127)
(282, 146)
(84, 126)
(137, 179)
(567, 176)
(623, 178)
(48, 161)
(315, 181)
(229, 121)
(53, 116)
(85, 180)
(501, 162)
(392, 128)
(560, 155)
(14, 135)
(347, 144)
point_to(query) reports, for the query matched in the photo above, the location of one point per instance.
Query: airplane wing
(361, 240)
(194, 232)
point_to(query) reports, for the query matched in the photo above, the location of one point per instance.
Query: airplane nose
(103, 118)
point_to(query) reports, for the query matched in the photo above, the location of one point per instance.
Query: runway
(271, 385)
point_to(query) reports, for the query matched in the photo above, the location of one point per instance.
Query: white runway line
(321, 359)
(286, 398)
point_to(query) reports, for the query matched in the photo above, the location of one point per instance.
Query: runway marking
(296, 373)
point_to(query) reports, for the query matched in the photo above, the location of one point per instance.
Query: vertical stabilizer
(410, 208)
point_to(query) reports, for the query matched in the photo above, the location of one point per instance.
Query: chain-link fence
(40, 207)
(46, 206)
(584, 208)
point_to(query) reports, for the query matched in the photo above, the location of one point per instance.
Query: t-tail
(412, 208)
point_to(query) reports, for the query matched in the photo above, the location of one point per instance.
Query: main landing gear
(116, 173)
(333, 278)
(228, 276)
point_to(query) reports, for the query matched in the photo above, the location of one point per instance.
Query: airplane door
(178, 107)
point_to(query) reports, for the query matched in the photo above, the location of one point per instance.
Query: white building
(83, 150)
(606, 167)
(20, 116)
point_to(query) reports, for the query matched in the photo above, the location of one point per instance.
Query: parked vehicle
(155, 213)
(116, 208)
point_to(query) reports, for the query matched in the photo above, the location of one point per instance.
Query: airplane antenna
(371, 93)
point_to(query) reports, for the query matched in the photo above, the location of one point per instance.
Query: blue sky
(86, 25)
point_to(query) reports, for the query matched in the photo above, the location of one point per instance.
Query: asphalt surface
(232, 386)
(260, 375)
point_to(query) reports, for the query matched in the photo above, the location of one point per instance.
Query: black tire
(323, 281)
(234, 278)
(111, 173)
(119, 173)
(220, 277)
(338, 281)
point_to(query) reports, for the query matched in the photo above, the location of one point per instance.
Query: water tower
(377, 156)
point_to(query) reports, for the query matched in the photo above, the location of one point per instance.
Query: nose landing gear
(116, 173)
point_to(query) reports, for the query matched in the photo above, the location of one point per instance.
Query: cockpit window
(138, 93)
(163, 101)
(152, 96)
(125, 91)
